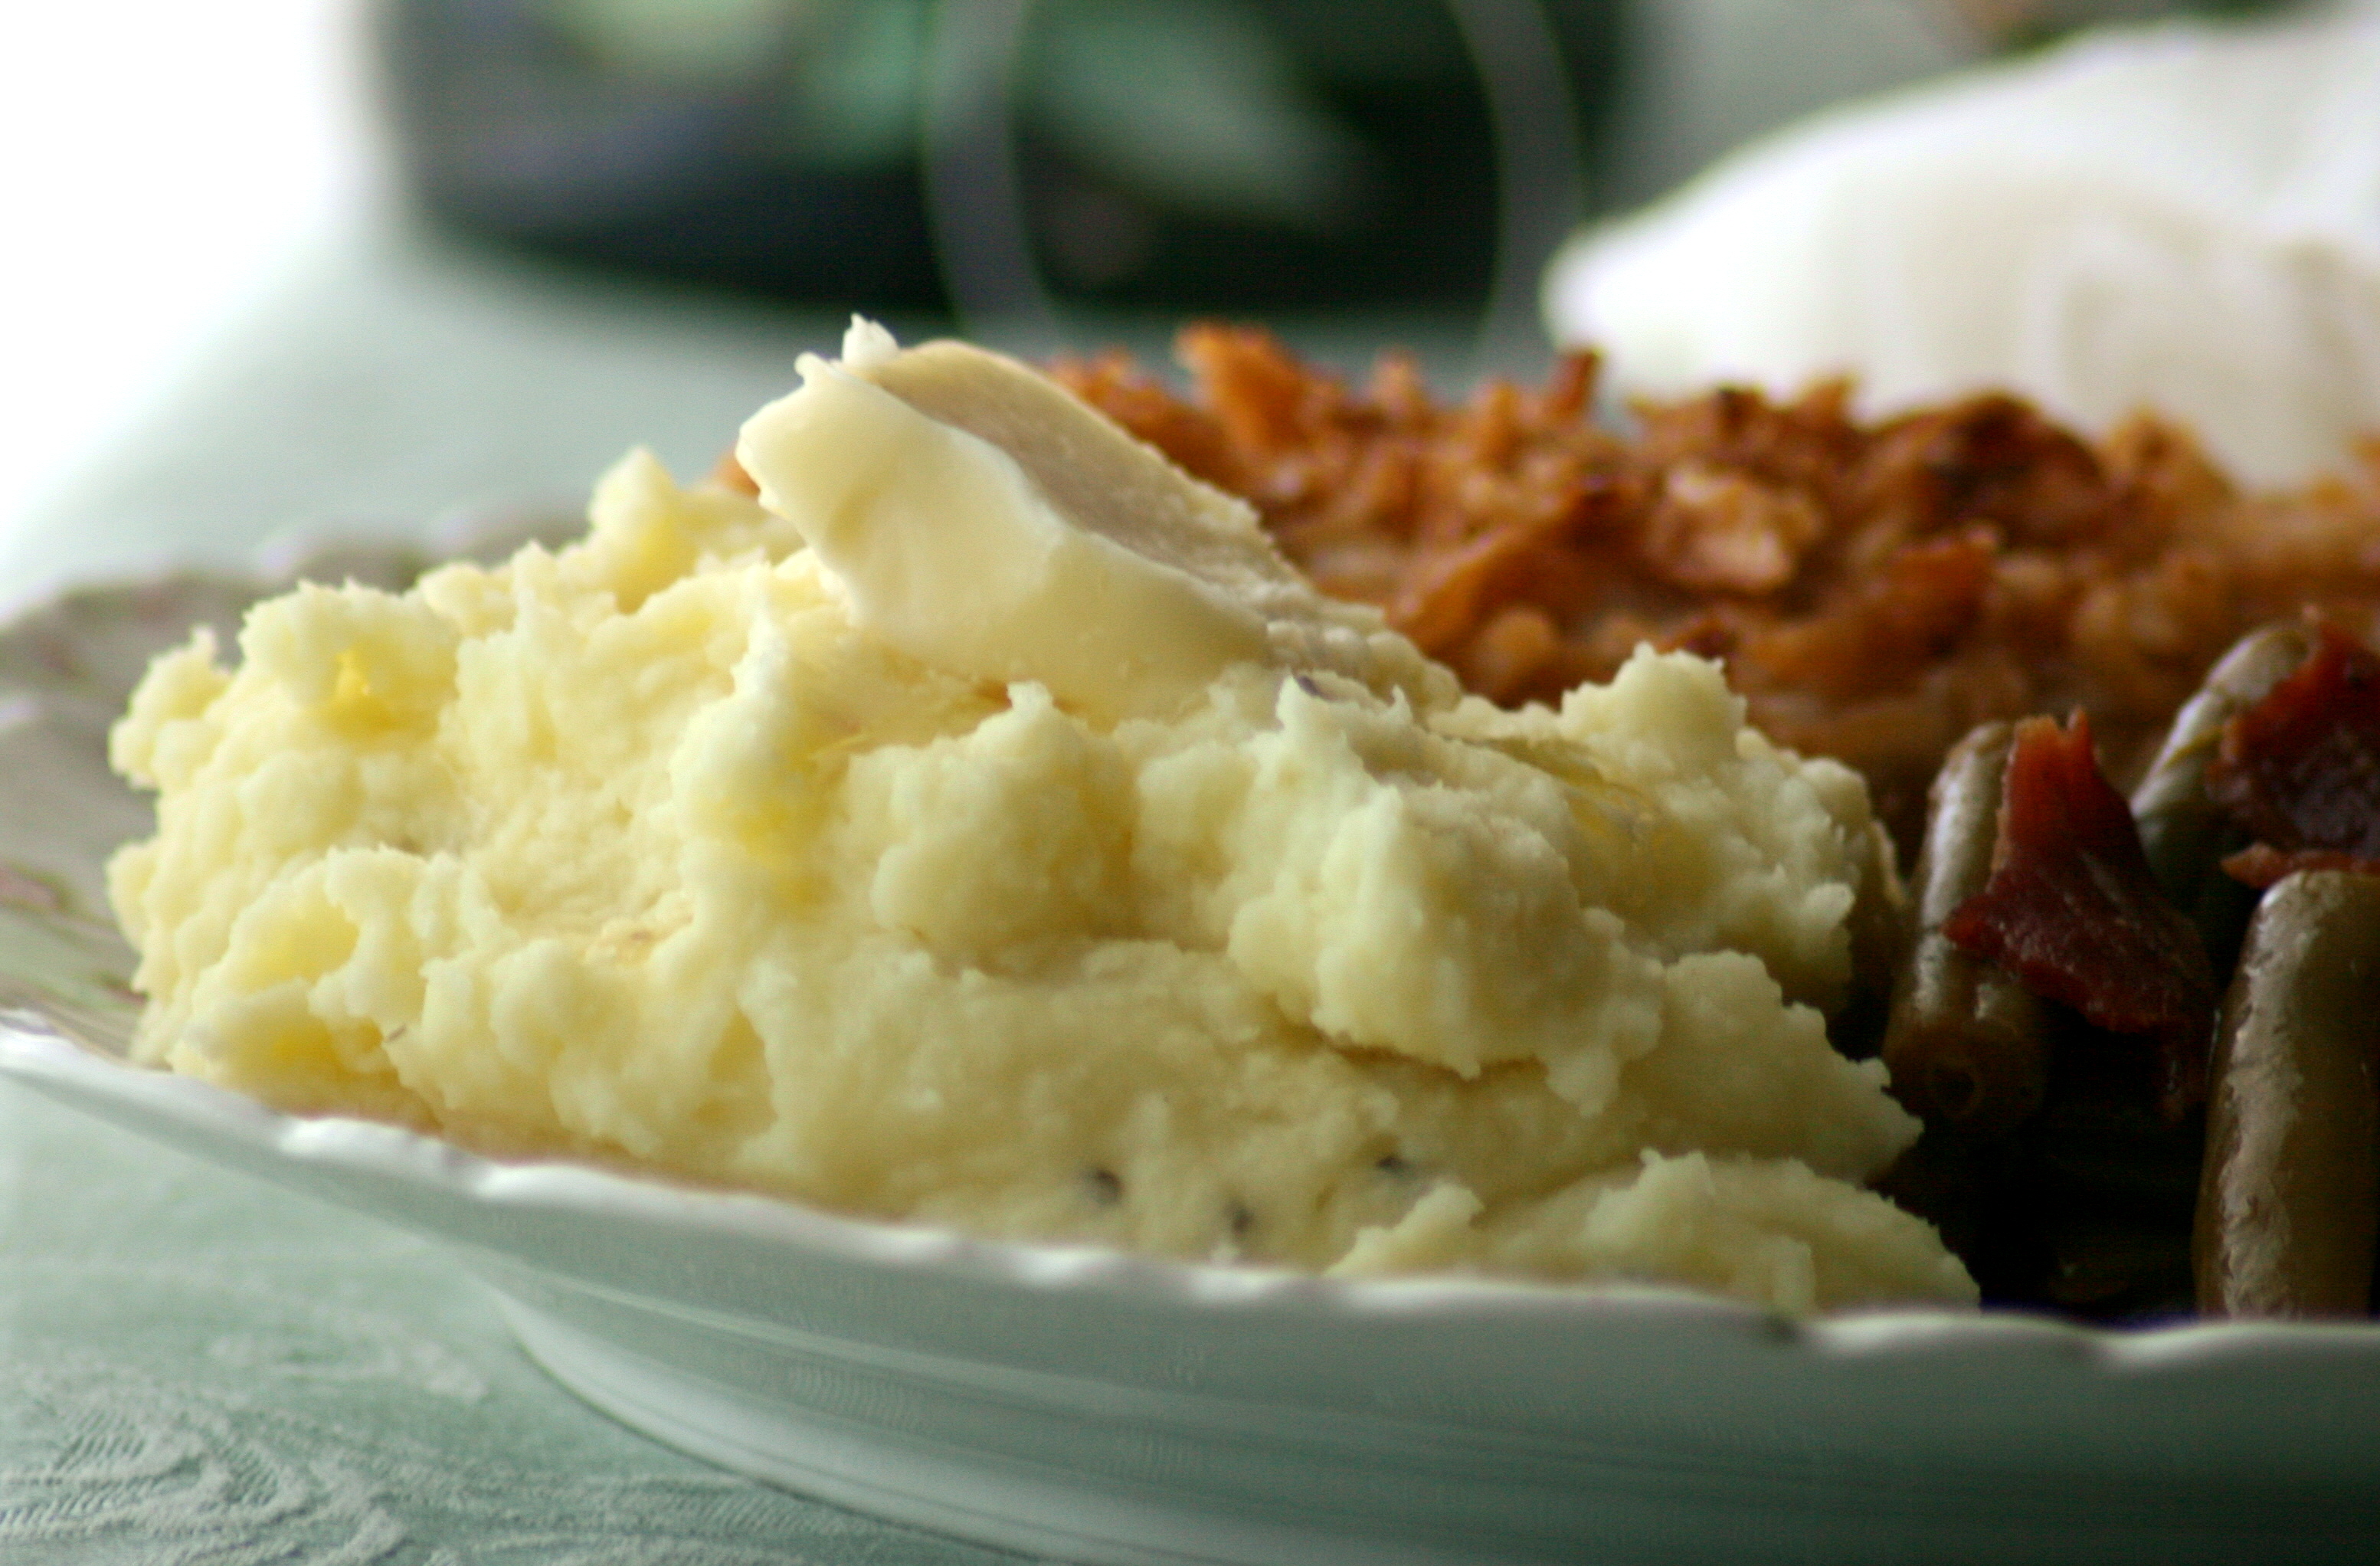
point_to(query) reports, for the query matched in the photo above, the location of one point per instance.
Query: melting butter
(988, 523)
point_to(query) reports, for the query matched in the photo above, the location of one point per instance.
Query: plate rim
(46, 1058)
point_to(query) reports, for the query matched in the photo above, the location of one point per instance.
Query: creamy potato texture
(943, 837)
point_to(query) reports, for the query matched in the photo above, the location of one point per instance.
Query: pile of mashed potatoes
(985, 827)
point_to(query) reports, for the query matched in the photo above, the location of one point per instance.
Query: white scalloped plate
(1108, 1408)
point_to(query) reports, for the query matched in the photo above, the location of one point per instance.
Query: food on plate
(2184, 831)
(984, 824)
(2072, 1183)
(2179, 216)
(2291, 1201)
(2291, 1183)
(2300, 770)
(1876, 589)
(1966, 1043)
(2091, 1179)
(2073, 912)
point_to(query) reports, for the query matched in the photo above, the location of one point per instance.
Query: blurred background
(329, 264)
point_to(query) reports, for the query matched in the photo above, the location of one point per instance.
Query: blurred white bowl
(2184, 216)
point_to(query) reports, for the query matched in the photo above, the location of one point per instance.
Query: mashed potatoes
(989, 829)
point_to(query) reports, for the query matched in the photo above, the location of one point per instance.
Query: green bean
(1967, 1045)
(2289, 1202)
(2185, 833)
(1878, 927)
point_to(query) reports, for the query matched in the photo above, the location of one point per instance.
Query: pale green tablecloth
(195, 1367)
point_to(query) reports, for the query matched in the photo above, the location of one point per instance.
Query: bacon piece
(2073, 911)
(2300, 768)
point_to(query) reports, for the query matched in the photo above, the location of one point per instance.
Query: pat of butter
(985, 521)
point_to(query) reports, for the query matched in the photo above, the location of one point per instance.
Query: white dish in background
(2183, 216)
(1099, 1407)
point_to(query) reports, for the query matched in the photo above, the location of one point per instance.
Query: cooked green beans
(2185, 833)
(1966, 1042)
(2289, 1201)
